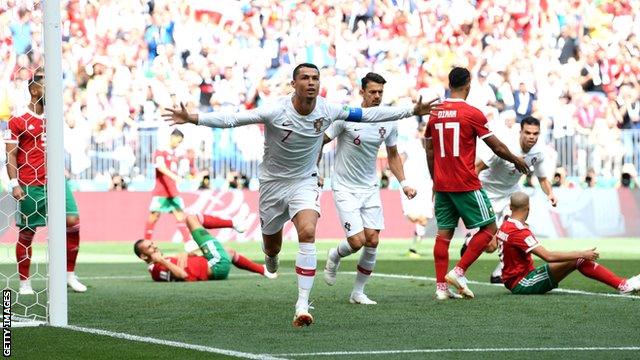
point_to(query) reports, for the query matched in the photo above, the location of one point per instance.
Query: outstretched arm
(213, 119)
(560, 256)
(387, 113)
(500, 149)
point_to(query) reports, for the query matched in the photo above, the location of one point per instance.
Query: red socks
(23, 252)
(598, 272)
(214, 222)
(148, 229)
(476, 247)
(441, 257)
(243, 263)
(73, 246)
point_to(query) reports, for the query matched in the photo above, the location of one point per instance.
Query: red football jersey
(165, 186)
(517, 242)
(453, 132)
(28, 131)
(197, 269)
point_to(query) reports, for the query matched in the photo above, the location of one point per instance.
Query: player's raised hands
(426, 108)
(590, 254)
(179, 115)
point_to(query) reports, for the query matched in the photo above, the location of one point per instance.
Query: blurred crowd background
(574, 64)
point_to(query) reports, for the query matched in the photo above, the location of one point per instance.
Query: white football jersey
(356, 153)
(501, 177)
(416, 169)
(293, 141)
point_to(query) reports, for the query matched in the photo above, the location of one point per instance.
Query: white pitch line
(470, 350)
(567, 291)
(177, 344)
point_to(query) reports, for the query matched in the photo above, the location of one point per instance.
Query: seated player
(519, 274)
(213, 265)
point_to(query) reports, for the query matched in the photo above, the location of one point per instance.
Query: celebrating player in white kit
(355, 187)
(500, 179)
(294, 127)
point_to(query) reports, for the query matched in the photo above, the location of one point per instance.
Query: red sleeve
(524, 240)
(480, 124)
(11, 135)
(159, 157)
(159, 272)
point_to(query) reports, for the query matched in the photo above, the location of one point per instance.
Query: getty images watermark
(6, 322)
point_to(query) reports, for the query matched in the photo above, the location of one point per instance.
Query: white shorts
(359, 210)
(281, 200)
(500, 203)
(421, 205)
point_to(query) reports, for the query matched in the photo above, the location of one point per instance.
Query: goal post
(54, 113)
(35, 28)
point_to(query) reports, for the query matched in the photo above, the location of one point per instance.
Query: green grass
(250, 314)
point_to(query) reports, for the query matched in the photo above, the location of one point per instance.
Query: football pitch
(125, 315)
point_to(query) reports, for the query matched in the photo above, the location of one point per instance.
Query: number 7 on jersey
(455, 126)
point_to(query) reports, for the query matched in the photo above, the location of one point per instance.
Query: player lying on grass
(519, 274)
(213, 265)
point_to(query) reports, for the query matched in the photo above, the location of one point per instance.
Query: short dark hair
(136, 247)
(37, 78)
(372, 77)
(177, 133)
(530, 120)
(459, 77)
(296, 70)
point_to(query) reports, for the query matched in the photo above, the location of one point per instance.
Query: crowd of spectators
(575, 64)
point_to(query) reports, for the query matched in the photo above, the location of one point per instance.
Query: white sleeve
(392, 139)
(385, 113)
(228, 120)
(334, 129)
(540, 168)
(486, 155)
(370, 114)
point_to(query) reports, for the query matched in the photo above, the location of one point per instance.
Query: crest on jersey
(534, 160)
(382, 131)
(317, 124)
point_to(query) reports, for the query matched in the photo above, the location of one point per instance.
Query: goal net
(30, 185)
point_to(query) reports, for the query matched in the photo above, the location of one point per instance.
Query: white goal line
(468, 350)
(176, 344)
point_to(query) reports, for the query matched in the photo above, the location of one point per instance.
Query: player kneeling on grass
(213, 265)
(519, 274)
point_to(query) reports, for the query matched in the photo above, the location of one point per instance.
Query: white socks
(365, 267)
(343, 250)
(306, 261)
